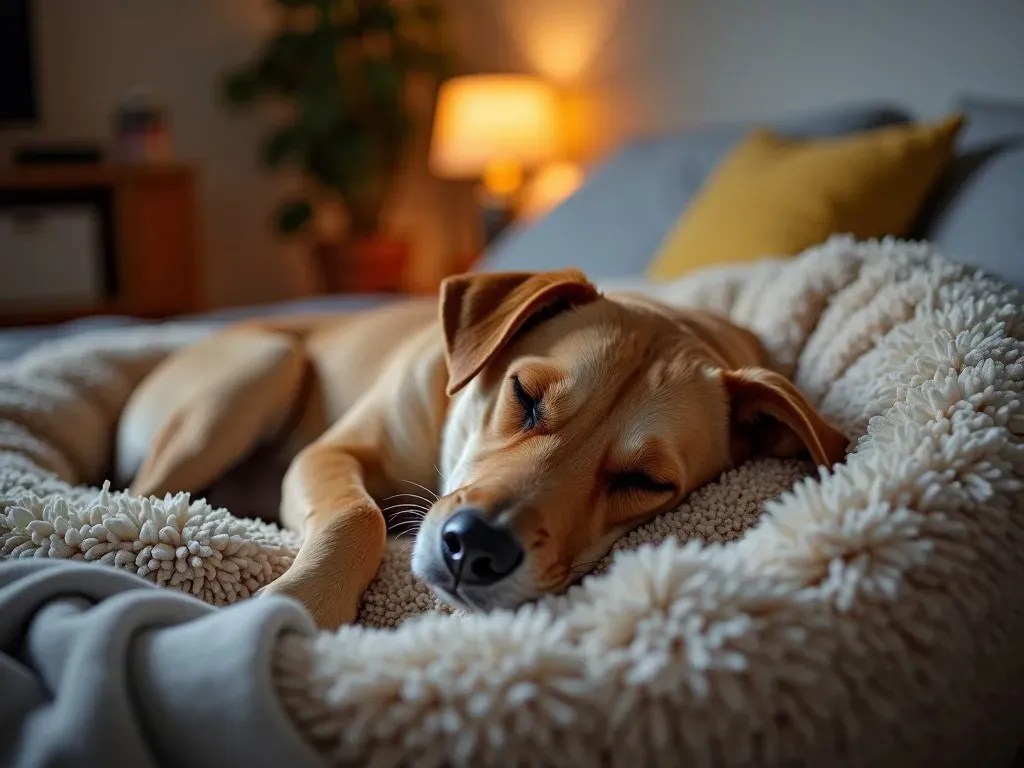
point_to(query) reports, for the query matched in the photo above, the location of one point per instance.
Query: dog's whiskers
(408, 547)
(410, 482)
(413, 504)
(400, 518)
(412, 541)
(407, 507)
(440, 474)
(424, 499)
(410, 535)
(414, 523)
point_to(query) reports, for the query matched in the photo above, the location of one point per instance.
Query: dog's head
(579, 417)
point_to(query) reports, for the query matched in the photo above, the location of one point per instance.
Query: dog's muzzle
(477, 552)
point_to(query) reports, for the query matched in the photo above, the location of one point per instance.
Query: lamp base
(496, 213)
(495, 221)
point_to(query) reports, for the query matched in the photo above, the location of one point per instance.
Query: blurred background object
(19, 102)
(495, 128)
(142, 130)
(634, 84)
(80, 235)
(552, 184)
(343, 68)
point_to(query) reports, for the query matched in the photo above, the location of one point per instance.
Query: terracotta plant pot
(364, 264)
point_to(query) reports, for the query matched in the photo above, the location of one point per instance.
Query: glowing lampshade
(494, 126)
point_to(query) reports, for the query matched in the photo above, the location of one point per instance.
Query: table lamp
(495, 128)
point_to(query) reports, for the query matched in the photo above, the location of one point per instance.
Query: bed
(869, 617)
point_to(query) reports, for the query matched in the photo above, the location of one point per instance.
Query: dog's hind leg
(205, 408)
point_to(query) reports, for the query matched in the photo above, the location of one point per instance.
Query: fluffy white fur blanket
(869, 616)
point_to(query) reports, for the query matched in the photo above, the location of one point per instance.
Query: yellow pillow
(775, 196)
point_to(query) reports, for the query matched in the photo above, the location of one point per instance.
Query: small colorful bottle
(141, 130)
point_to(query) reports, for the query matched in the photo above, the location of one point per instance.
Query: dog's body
(558, 419)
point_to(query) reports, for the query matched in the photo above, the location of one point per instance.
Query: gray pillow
(615, 223)
(990, 121)
(978, 216)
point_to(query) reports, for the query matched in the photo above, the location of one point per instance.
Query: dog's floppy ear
(480, 313)
(771, 417)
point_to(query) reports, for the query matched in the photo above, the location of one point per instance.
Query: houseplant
(343, 70)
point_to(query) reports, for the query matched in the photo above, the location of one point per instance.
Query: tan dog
(558, 418)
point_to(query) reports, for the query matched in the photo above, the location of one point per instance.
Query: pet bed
(867, 616)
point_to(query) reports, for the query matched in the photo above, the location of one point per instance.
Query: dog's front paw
(330, 608)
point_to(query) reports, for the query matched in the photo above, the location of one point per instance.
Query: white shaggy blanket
(871, 616)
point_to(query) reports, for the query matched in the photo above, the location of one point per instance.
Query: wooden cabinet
(145, 237)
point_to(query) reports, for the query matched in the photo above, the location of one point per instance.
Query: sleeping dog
(557, 417)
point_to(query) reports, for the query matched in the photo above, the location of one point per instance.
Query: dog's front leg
(390, 436)
(344, 531)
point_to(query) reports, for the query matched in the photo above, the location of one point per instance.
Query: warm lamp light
(549, 187)
(494, 127)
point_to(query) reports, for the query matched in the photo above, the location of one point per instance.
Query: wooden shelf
(25, 316)
(155, 237)
(70, 176)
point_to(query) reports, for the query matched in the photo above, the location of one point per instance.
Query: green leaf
(241, 88)
(320, 107)
(343, 72)
(293, 215)
(330, 160)
(379, 17)
(287, 63)
(384, 80)
(281, 145)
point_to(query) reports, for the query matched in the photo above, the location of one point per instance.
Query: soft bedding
(99, 668)
(870, 616)
(17, 341)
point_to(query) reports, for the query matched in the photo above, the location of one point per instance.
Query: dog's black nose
(477, 552)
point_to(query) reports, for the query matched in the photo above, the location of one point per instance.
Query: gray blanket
(100, 668)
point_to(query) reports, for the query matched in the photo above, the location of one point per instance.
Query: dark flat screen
(17, 65)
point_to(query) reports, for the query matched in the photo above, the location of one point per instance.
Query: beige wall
(632, 66)
(656, 65)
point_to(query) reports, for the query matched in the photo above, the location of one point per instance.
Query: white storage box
(51, 254)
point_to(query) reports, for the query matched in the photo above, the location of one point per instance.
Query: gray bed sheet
(16, 341)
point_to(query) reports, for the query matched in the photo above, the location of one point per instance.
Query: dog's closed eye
(530, 405)
(638, 482)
